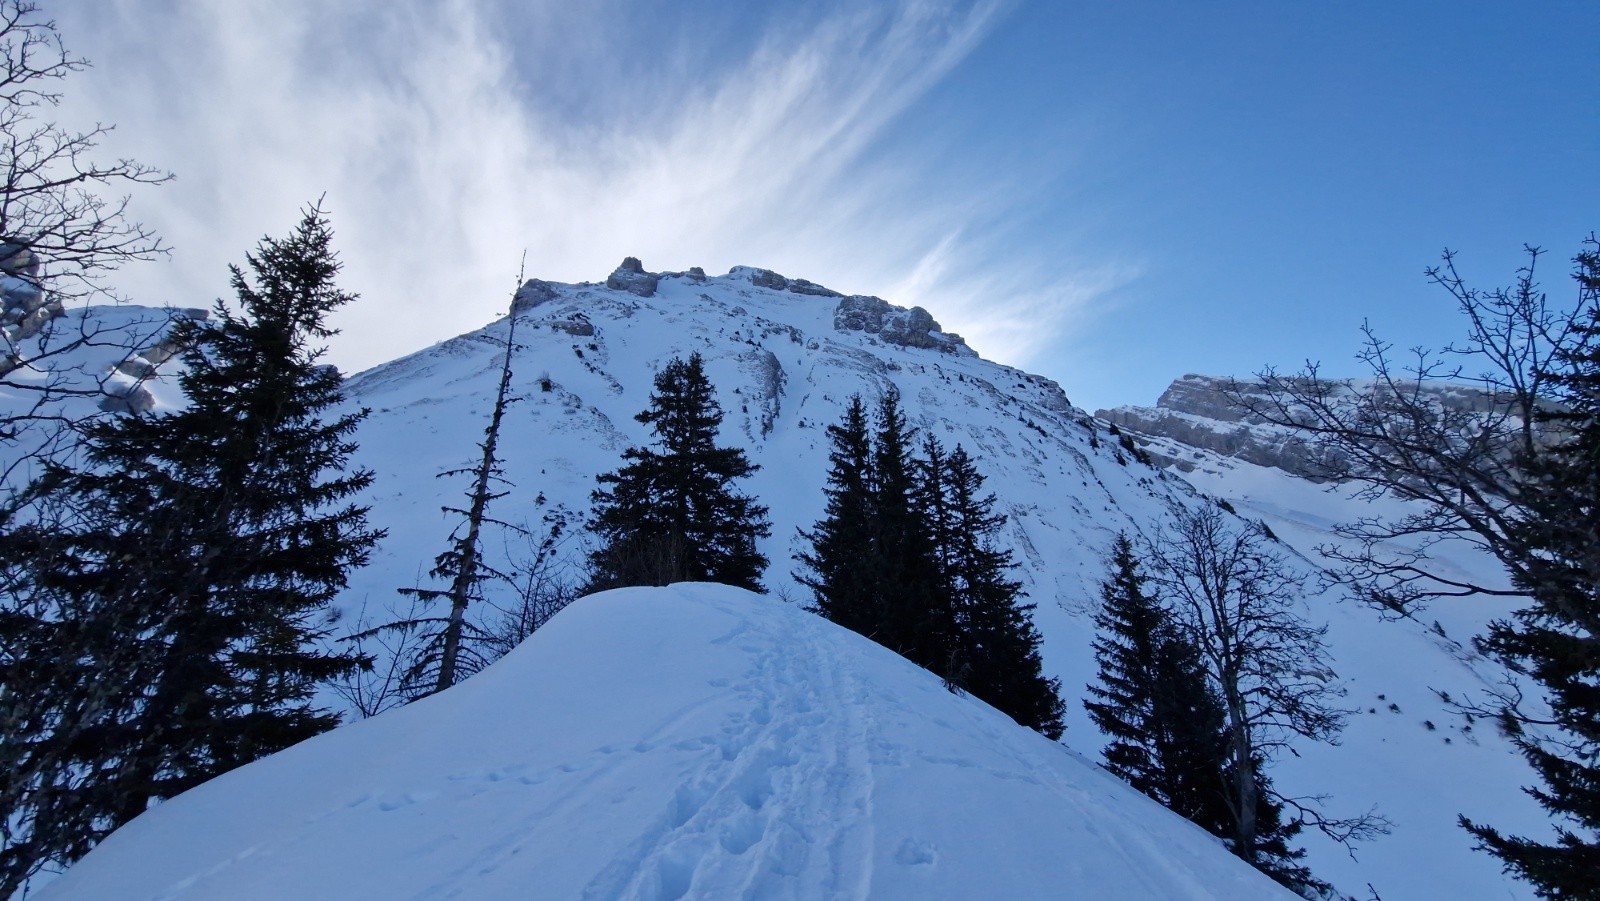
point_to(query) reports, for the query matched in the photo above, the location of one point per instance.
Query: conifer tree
(905, 556)
(994, 642)
(902, 555)
(940, 623)
(839, 568)
(872, 566)
(1556, 640)
(195, 576)
(1167, 728)
(1170, 738)
(670, 514)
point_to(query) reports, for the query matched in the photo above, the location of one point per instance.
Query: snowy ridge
(693, 741)
(785, 363)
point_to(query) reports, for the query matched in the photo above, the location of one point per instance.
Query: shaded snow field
(695, 741)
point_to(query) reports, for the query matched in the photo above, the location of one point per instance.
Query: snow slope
(785, 362)
(695, 741)
(784, 370)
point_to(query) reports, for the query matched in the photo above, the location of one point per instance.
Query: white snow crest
(695, 741)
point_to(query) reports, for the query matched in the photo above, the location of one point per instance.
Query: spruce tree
(904, 568)
(872, 566)
(204, 548)
(905, 556)
(993, 642)
(1166, 725)
(1272, 852)
(670, 514)
(940, 622)
(1168, 728)
(1556, 640)
(839, 568)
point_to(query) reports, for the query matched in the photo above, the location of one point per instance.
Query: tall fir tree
(1167, 725)
(939, 624)
(872, 567)
(671, 514)
(839, 568)
(194, 578)
(902, 551)
(905, 555)
(994, 643)
(1556, 640)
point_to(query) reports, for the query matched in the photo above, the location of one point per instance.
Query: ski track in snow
(760, 753)
(749, 818)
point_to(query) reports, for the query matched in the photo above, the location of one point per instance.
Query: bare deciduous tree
(1408, 431)
(1237, 598)
(60, 235)
(546, 579)
(50, 202)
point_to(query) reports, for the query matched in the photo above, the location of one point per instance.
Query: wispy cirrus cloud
(449, 137)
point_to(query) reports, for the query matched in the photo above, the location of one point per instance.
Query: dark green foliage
(1272, 854)
(838, 569)
(182, 589)
(1167, 727)
(995, 646)
(905, 556)
(901, 549)
(872, 566)
(1556, 640)
(670, 513)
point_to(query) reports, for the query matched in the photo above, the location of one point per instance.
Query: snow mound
(695, 741)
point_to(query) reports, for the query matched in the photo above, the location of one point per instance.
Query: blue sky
(1108, 194)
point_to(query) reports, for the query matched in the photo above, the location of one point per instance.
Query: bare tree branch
(1446, 430)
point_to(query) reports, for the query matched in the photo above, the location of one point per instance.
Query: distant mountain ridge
(1196, 418)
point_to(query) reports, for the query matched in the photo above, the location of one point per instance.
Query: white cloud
(441, 160)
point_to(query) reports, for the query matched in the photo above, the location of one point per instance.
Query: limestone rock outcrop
(1194, 412)
(24, 305)
(915, 327)
(532, 293)
(632, 278)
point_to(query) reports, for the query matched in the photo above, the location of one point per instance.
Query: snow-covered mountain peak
(902, 326)
(785, 357)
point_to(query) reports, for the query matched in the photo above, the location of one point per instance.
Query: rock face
(1194, 413)
(24, 305)
(125, 390)
(532, 293)
(766, 278)
(632, 278)
(896, 325)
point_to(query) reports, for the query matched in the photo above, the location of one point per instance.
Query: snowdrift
(695, 741)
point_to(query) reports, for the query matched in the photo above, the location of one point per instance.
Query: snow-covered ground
(783, 372)
(690, 741)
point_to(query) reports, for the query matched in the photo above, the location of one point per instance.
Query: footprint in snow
(915, 853)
